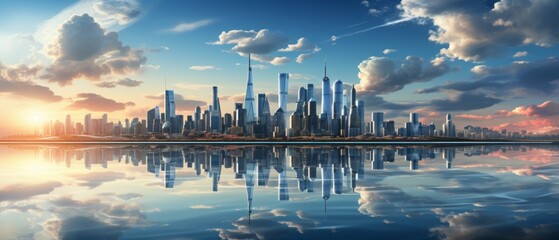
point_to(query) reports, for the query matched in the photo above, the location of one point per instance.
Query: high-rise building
(326, 112)
(354, 125)
(169, 105)
(197, 117)
(361, 112)
(310, 92)
(338, 98)
(283, 81)
(87, 124)
(377, 123)
(68, 125)
(103, 123)
(152, 115)
(449, 129)
(250, 106)
(414, 125)
(215, 113)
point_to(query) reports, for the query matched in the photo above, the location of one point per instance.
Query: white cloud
(204, 68)
(520, 54)
(303, 44)
(279, 60)
(304, 56)
(475, 31)
(187, 27)
(85, 50)
(381, 75)
(388, 51)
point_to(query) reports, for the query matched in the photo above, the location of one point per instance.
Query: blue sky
(397, 68)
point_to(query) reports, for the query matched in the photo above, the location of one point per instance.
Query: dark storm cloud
(464, 102)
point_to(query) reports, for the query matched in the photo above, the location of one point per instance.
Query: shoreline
(267, 142)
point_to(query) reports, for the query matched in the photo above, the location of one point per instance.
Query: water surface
(278, 192)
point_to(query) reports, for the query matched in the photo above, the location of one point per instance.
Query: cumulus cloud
(16, 80)
(126, 82)
(475, 31)
(264, 43)
(204, 68)
(97, 103)
(84, 50)
(545, 109)
(187, 27)
(181, 103)
(24, 191)
(380, 75)
(303, 44)
(92, 218)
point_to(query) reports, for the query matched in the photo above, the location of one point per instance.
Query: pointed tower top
(324, 68)
(249, 68)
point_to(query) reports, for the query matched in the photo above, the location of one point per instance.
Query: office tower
(338, 99)
(227, 120)
(312, 118)
(169, 105)
(302, 98)
(197, 117)
(87, 124)
(431, 130)
(377, 124)
(178, 124)
(79, 128)
(326, 112)
(354, 125)
(95, 127)
(103, 123)
(449, 129)
(279, 123)
(250, 106)
(414, 125)
(310, 92)
(68, 125)
(361, 112)
(126, 129)
(389, 128)
(153, 115)
(263, 108)
(215, 114)
(283, 81)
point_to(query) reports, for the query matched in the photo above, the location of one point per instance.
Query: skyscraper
(283, 81)
(169, 105)
(377, 123)
(249, 97)
(354, 125)
(310, 92)
(361, 112)
(338, 98)
(414, 124)
(152, 116)
(87, 124)
(197, 117)
(326, 99)
(103, 124)
(68, 125)
(215, 113)
(449, 129)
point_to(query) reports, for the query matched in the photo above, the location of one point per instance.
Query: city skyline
(508, 81)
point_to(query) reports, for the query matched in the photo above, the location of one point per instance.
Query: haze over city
(488, 63)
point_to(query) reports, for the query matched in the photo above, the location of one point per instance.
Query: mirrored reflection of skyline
(394, 184)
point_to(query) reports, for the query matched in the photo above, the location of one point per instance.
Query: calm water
(278, 192)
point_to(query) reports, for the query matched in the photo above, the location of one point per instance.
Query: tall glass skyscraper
(169, 104)
(326, 97)
(283, 81)
(250, 106)
(377, 123)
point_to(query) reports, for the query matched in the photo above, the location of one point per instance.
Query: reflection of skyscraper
(250, 106)
(449, 154)
(377, 159)
(249, 182)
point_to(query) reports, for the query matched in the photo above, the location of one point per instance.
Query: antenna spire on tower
(249, 68)
(324, 68)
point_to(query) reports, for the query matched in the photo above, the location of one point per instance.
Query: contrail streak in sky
(334, 37)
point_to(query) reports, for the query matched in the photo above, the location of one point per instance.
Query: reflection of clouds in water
(123, 196)
(95, 179)
(24, 191)
(480, 225)
(377, 201)
(273, 224)
(93, 218)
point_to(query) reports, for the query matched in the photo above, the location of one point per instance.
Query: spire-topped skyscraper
(326, 112)
(249, 97)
